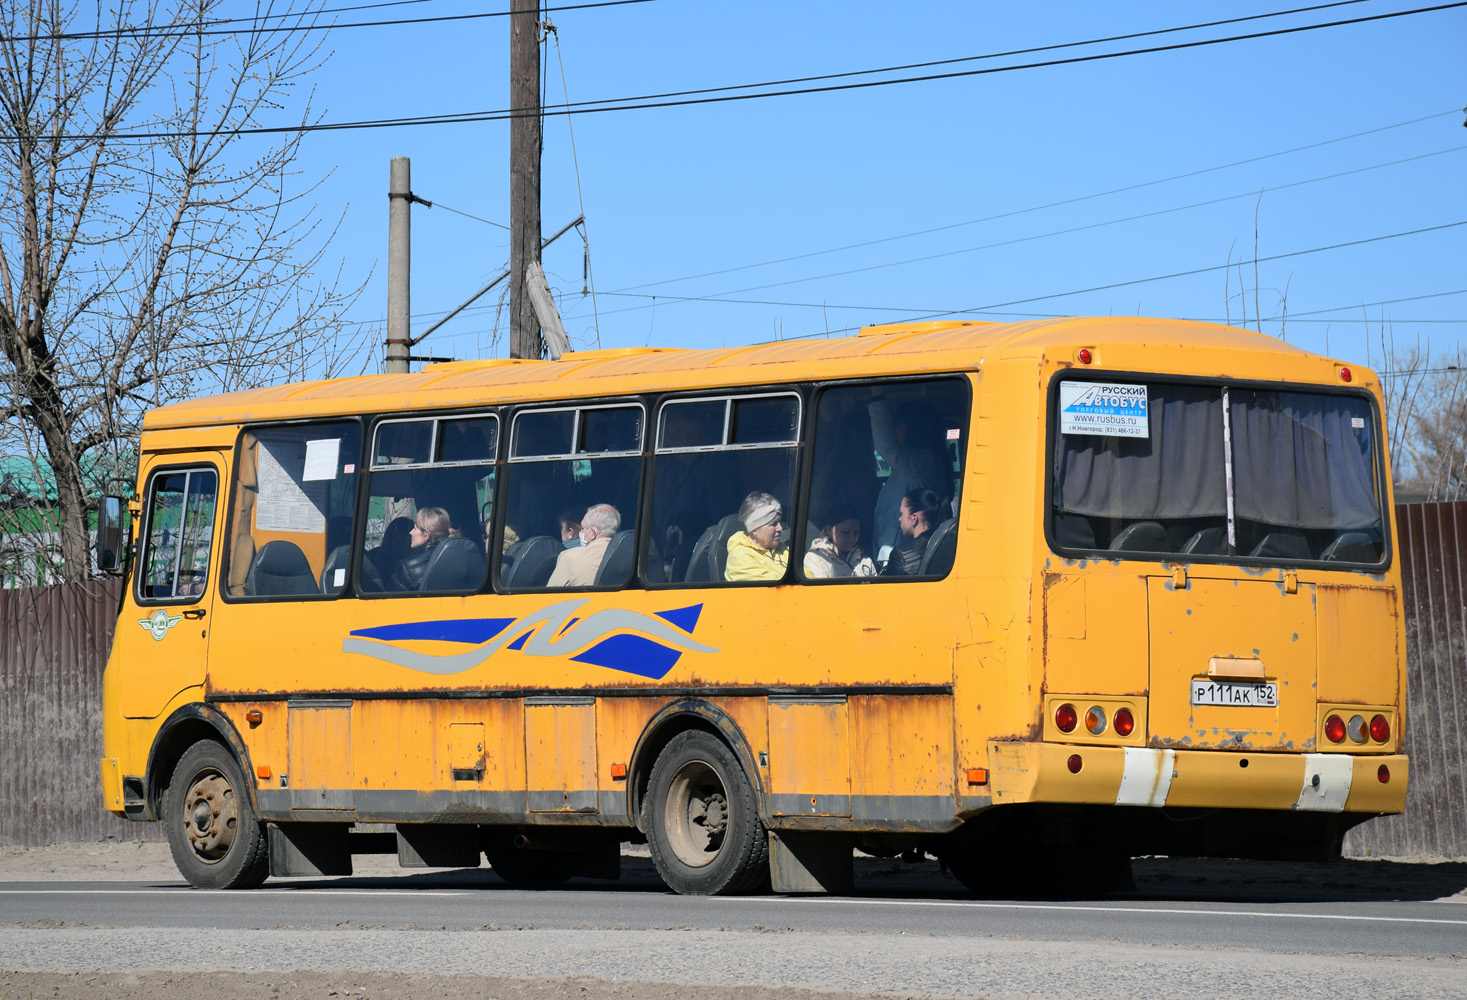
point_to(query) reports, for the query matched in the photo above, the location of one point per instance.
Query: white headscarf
(765, 513)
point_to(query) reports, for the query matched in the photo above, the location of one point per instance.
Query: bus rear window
(1216, 471)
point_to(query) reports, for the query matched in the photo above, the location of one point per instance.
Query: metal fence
(1434, 587)
(55, 642)
(53, 646)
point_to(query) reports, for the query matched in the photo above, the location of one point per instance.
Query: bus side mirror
(113, 538)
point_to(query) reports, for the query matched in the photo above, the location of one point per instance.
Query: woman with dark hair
(921, 511)
(834, 552)
(431, 526)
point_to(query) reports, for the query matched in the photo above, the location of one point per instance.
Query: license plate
(1245, 694)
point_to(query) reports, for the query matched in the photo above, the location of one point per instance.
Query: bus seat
(1208, 542)
(533, 562)
(616, 563)
(280, 569)
(710, 554)
(1282, 545)
(937, 558)
(337, 560)
(456, 564)
(1073, 531)
(1352, 546)
(656, 568)
(1142, 536)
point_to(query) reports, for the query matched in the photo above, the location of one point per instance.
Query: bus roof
(895, 349)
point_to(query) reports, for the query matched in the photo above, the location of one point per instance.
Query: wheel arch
(181, 730)
(678, 717)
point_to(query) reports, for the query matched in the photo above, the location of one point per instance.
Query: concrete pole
(399, 266)
(524, 174)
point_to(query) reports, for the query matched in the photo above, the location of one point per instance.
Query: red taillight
(1124, 722)
(1065, 718)
(1345, 375)
(1384, 774)
(1380, 729)
(1075, 763)
(1085, 356)
(1334, 729)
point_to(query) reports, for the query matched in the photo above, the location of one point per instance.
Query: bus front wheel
(702, 820)
(216, 840)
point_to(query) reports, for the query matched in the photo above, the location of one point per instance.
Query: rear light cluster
(1066, 718)
(1336, 729)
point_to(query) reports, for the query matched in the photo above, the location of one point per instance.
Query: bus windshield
(1225, 472)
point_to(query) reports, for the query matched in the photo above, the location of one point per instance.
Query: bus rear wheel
(702, 820)
(216, 840)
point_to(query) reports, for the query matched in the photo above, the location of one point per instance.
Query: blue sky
(671, 193)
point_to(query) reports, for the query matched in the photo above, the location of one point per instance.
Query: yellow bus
(1032, 598)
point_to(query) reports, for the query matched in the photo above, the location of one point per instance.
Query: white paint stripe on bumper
(1147, 777)
(1327, 779)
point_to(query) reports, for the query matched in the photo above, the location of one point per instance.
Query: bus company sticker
(1103, 408)
(614, 638)
(159, 622)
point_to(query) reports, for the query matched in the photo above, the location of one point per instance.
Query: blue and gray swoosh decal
(614, 638)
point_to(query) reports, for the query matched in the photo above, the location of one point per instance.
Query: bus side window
(179, 536)
(888, 467)
(714, 456)
(571, 495)
(292, 511)
(430, 502)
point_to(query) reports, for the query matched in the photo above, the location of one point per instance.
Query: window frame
(227, 552)
(817, 393)
(1378, 462)
(494, 583)
(728, 396)
(364, 491)
(144, 534)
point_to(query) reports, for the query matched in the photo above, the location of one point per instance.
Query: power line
(634, 104)
(1058, 232)
(1200, 270)
(184, 31)
(1040, 208)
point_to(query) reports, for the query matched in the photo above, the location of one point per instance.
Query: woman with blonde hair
(431, 526)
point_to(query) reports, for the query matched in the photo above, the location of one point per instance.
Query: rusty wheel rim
(696, 817)
(211, 816)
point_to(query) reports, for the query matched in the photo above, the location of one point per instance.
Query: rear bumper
(1139, 776)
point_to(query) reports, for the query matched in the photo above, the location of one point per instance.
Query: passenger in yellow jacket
(755, 553)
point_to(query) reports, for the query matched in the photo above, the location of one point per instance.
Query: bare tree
(151, 248)
(1426, 409)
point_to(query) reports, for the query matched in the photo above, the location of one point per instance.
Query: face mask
(570, 543)
(584, 539)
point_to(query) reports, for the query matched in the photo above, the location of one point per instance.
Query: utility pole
(524, 175)
(399, 261)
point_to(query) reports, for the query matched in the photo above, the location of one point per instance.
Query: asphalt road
(1187, 931)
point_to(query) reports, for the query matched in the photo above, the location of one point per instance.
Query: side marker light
(254, 716)
(1085, 356)
(262, 771)
(977, 775)
(1345, 375)
(1075, 763)
(618, 772)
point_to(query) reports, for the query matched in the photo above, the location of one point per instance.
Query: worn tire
(216, 839)
(702, 820)
(523, 868)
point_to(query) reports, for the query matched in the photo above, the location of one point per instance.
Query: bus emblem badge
(159, 622)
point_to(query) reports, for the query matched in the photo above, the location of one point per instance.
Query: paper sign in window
(321, 457)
